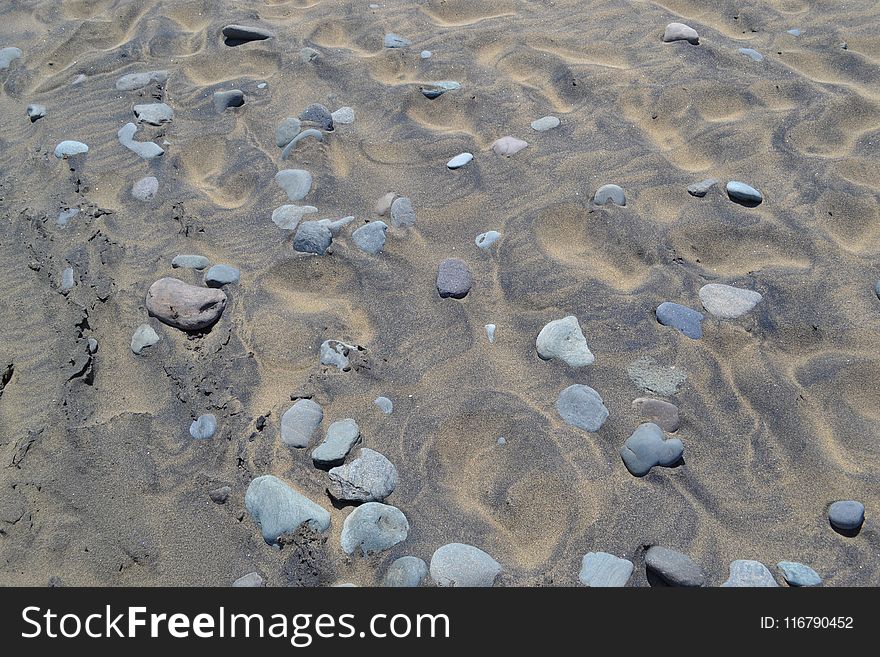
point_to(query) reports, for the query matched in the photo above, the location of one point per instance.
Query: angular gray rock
(183, 306)
(204, 427)
(700, 189)
(368, 478)
(236, 35)
(341, 436)
(370, 237)
(278, 509)
(145, 149)
(405, 572)
(312, 237)
(143, 337)
(220, 275)
(685, 319)
(726, 301)
(299, 423)
(582, 407)
(153, 113)
(454, 279)
(373, 527)
(295, 182)
(797, 574)
(680, 32)
(600, 569)
(563, 339)
(647, 447)
(287, 217)
(458, 564)
(748, 573)
(319, 116)
(335, 354)
(673, 568)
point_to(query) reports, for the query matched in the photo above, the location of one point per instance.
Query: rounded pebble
(600, 569)
(457, 564)
(846, 515)
(459, 160)
(582, 407)
(648, 447)
(204, 427)
(278, 509)
(563, 339)
(145, 189)
(726, 301)
(373, 527)
(406, 572)
(545, 123)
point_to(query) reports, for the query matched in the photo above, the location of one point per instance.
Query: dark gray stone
(700, 189)
(846, 515)
(457, 564)
(647, 447)
(673, 568)
(369, 478)
(318, 115)
(278, 509)
(223, 100)
(744, 194)
(582, 407)
(312, 237)
(236, 35)
(36, 112)
(684, 319)
(454, 279)
(373, 527)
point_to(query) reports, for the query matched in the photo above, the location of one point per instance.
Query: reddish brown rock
(183, 306)
(661, 413)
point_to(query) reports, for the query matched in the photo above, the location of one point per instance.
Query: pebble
(299, 423)
(457, 564)
(673, 568)
(36, 112)
(750, 574)
(487, 239)
(459, 160)
(65, 216)
(67, 280)
(368, 478)
(341, 436)
(262, 85)
(278, 509)
(652, 377)
(144, 336)
(752, 54)
(308, 54)
(289, 216)
(318, 115)
(133, 81)
(343, 116)
(8, 55)
(295, 182)
(286, 131)
(545, 123)
(846, 515)
(370, 237)
(220, 495)
(794, 32)
(661, 413)
(188, 261)
(600, 569)
(335, 354)
(490, 333)
(153, 113)
(425, 54)
(797, 574)
(406, 572)
(501, 441)
(145, 189)
(647, 447)
(681, 32)
(582, 407)
(69, 148)
(700, 189)
(508, 146)
(373, 527)
(680, 317)
(563, 339)
(394, 41)
(305, 134)
(613, 193)
(145, 149)
(220, 275)
(402, 212)
(312, 237)
(204, 427)
(251, 580)
(223, 100)
(384, 404)
(237, 35)
(743, 193)
(92, 346)
(454, 279)
(433, 90)
(726, 301)
(183, 306)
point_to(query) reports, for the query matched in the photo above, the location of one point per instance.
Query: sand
(101, 483)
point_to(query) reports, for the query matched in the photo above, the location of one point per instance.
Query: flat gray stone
(144, 336)
(67, 280)
(545, 123)
(457, 564)
(370, 237)
(251, 580)
(562, 339)
(307, 54)
(700, 189)
(680, 32)
(392, 40)
(373, 527)
(145, 189)
(287, 217)
(299, 423)
(685, 319)
(335, 227)
(305, 134)
(295, 182)
(65, 216)
(145, 149)
(846, 515)
(748, 573)
(600, 569)
(183, 306)
(335, 354)
(726, 301)
(454, 278)
(797, 574)
(341, 436)
(384, 404)
(648, 447)
(582, 407)
(490, 333)
(406, 572)
(673, 568)
(187, 261)
(312, 237)
(368, 478)
(204, 427)
(606, 193)
(794, 32)
(35, 112)
(237, 35)
(487, 239)
(153, 113)
(425, 54)
(220, 275)
(508, 146)
(223, 100)
(744, 194)
(752, 54)
(661, 413)
(343, 116)
(8, 55)
(433, 90)
(286, 131)
(402, 212)
(278, 509)
(133, 81)
(459, 160)
(68, 148)
(650, 376)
